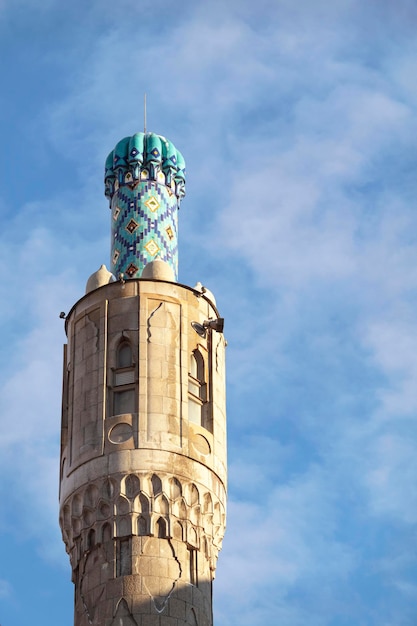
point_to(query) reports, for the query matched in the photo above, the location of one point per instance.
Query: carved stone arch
(161, 528)
(123, 616)
(175, 508)
(192, 537)
(217, 515)
(76, 526)
(77, 505)
(175, 488)
(142, 526)
(207, 503)
(136, 505)
(178, 531)
(66, 517)
(195, 516)
(144, 504)
(104, 509)
(193, 494)
(89, 516)
(217, 536)
(109, 488)
(91, 539)
(67, 539)
(208, 525)
(182, 509)
(156, 485)
(124, 526)
(84, 541)
(131, 485)
(91, 495)
(161, 505)
(106, 532)
(122, 505)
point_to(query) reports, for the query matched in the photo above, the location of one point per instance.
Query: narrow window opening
(197, 390)
(193, 566)
(124, 396)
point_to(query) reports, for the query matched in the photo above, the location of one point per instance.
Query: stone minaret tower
(143, 450)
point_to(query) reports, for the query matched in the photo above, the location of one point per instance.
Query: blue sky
(298, 124)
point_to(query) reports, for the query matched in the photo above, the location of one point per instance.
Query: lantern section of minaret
(143, 446)
(145, 181)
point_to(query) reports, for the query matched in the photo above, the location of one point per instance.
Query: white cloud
(30, 394)
(279, 543)
(390, 477)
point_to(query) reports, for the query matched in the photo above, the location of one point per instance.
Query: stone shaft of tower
(143, 446)
(145, 182)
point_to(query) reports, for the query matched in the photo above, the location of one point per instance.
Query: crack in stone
(83, 600)
(87, 612)
(95, 322)
(122, 611)
(160, 607)
(149, 321)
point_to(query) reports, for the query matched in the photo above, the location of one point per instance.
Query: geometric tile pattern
(144, 227)
(145, 182)
(152, 204)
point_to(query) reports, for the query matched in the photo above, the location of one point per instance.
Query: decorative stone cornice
(131, 505)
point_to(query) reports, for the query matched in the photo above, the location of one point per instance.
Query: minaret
(143, 444)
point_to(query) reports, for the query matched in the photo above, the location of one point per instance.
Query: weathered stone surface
(143, 516)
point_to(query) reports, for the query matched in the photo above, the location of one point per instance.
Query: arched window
(197, 389)
(124, 397)
(106, 533)
(124, 355)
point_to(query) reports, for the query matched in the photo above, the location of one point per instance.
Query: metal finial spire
(144, 113)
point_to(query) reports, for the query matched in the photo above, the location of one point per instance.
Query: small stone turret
(143, 446)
